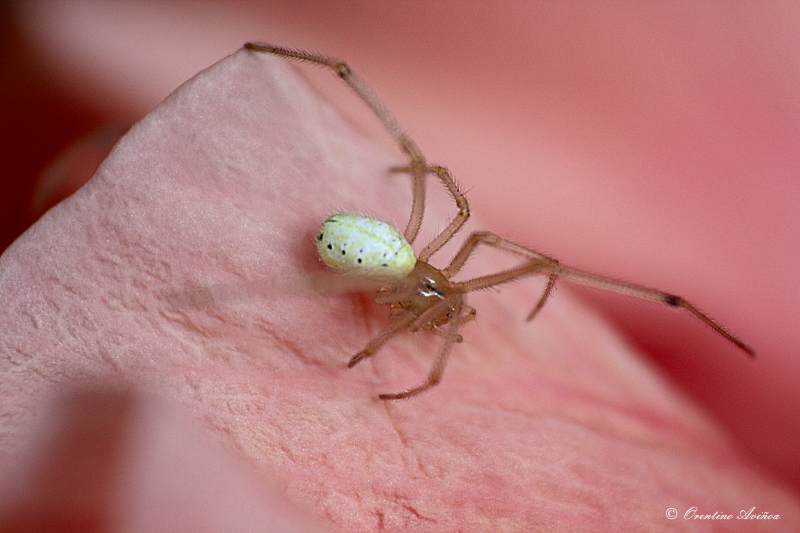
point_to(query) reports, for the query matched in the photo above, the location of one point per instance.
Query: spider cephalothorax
(419, 295)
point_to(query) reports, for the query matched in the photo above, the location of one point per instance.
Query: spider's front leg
(417, 167)
(450, 336)
(538, 263)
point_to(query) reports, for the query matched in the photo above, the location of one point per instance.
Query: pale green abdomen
(364, 246)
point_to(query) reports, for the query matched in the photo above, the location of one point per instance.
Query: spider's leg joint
(343, 70)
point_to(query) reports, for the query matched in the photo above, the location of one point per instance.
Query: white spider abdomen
(364, 246)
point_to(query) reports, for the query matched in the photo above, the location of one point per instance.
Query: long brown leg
(419, 194)
(456, 223)
(344, 71)
(418, 171)
(409, 321)
(533, 266)
(653, 295)
(490, 239)
(538, 263)
(417, 167)
(375, 344)
(435, 374)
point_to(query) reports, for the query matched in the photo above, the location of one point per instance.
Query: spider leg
(417, 167)
(418, 170)
(375, 344)
(454, 225)
(408, 320)
(418, 173)
(535, 264)
(538, 263)
(653, 295)
(548, 290)
(490, 239)
(435, 374)
(343, 70)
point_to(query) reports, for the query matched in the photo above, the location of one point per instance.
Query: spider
(419, 295)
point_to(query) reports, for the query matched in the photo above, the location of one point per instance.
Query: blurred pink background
(656, 142)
